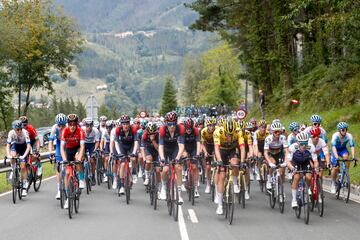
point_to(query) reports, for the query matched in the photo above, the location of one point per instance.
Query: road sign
(143, 114)
(241, 114)
(92, 107)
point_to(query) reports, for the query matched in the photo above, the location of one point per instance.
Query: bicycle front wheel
(127, 187)
(37, 182)
(281, 198)
(230, 203)
(71, 193)
(346, 189)
(306, 202)
(176, 202)
(170, 196)
(320, 201)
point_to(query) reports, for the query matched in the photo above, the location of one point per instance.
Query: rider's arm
(181, 142)
(82, 145)
(333, 145)
(217, 153)
(136, 146)
(198, 144)
(161, 142)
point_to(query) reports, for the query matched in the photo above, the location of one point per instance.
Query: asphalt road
(103, 215)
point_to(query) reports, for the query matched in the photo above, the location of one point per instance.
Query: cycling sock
(81, 175)
(121, 182)
(220, 196)
(146, 173)
(293, 192)
(235, 180)
(163, 184)
(58, 186)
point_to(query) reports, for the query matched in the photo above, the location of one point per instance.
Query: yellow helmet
(211, 121)
(230, 125)
(221, 121)
(262, 123)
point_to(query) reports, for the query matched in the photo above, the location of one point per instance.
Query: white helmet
(276, 126)
(302, 137)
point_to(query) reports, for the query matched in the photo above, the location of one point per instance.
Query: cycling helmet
(316, 118)
(171, 117)
(200, 121)
(221, 121)
(109, 124)
(262, 123)
(249, 125)
(60, 119)
(17, 124)
(89, 121)
(230, 125)
(103, 119)
(118, 122)
(151, 127)
(96, 124)
(241, 124)
(188, 123)
(276, 121)
(294, 126)
(24, 119)
(143, 123)
(276, 126)
(125, 119)
(315, 132)
(210, 121)
(342, 125)
(253, 122)
(302, 137)
(72, 117)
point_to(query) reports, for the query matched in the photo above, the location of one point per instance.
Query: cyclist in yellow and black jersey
(207, 147)
(258, 144)
(226, 140)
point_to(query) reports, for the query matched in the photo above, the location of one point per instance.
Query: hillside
(131, 45)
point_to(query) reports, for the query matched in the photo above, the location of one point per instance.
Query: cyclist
(171, 148)
(321, 148)
(249, 153)
(259, 142)
(226, 140)
(275, 149)
(254, 125)
(73, 147)
(126, 144)
(102, 127)
(299, 157)
(105, 145)
(113, 152)
(140, 132)
(192, 150)
(294, 129)
(34, 142)
(149, 149)
(200, 123)
(207, 145)
(55, 135)
(92, 140)
(316, 122)
(18, 144)
(339, 142)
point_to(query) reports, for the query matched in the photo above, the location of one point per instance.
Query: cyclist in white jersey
(321, 148)
(105, 145)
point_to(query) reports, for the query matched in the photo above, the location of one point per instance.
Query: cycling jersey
(275, 146)
(247, 137)
(92, 136)
(228, 142)
(32, 132)
(55, 135)
(149, 146)
(259, 140)
(106, 137)
(301, 160)
(171, 143)
(341, 144)
(191, 140)
(207, 137)
(72, 139)
(13, 138)
(126, 140)
(321, 146)
(291, 139)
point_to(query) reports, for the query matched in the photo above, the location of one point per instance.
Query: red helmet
(171, 116)
(189, 123)
(124, 119)
(315, 132)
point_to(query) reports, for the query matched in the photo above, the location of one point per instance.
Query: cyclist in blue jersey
(294, 129)
(339, 142)
(55, 136)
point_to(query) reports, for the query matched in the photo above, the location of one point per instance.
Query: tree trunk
(27, 103)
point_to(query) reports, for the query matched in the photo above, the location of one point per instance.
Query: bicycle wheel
(37, 182)
(169, 196)
(338, 188)
(242, 189)
(14, 193)
(127, 187)
(149, 189)
(154, 190)
(272, 196)
(71, 198)
(62, 194)
(306, 201)
(281, 195)
(176, 202)
(30, 177)
(14, 186)
(212, 189)
(346, 188)
(19, 184)
(110, 176)
(230, 203)
(76, 199)
(320, 201)
(192, 190)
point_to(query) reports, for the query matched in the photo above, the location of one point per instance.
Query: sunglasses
(18, 129)
(171, 124)
(303, 144)
(296, 130)
(88, 125)
(277, 132)
(343, 130)
(61, 125)
(72, 124)
(125, 123)
(316, 124)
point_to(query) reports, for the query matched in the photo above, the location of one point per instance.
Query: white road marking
(44, 180)
(192, 215)
(182, 227)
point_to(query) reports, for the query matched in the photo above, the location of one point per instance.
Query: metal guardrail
(44, 156)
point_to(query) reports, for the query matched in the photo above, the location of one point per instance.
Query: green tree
(42, 38)
(80, 110)
(168, 101)
(104, 111)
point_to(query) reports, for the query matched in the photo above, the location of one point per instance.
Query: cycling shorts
(341, 153)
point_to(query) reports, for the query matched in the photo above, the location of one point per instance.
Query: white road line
(192, 215)
(44, 180)
(182, 227)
